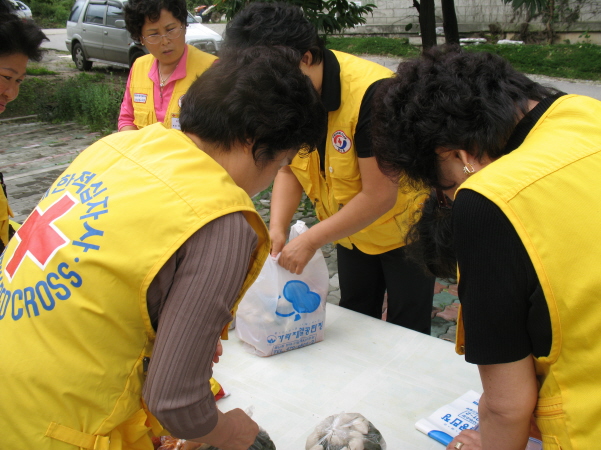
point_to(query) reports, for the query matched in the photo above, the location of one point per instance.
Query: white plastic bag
(350, 431)
(283, 311)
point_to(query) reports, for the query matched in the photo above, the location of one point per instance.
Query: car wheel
(79, 58)
(135, 54)
(216, 17)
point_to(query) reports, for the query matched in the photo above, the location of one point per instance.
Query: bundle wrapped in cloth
(345, 431)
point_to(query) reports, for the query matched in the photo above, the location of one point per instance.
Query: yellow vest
(5, 213)
(74, 324)
(549, 189)
(342, 179)
(141, 87)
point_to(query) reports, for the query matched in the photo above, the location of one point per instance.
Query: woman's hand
(466, 440)
(278, 241)
(297, 253)
(235, 430)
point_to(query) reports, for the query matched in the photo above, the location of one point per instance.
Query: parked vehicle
(20, 9)
(96, 33)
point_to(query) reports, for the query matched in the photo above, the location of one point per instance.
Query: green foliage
(27, 103)
(328, 16)
(373, 46)
(92, 100)
(50, 13)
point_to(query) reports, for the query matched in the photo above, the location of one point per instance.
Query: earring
(468, 170)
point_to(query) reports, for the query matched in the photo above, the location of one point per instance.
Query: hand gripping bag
(283, 311)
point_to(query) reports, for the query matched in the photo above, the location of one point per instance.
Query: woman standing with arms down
(158, 81)
(522, 162)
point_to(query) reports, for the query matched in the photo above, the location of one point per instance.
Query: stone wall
(391, 17)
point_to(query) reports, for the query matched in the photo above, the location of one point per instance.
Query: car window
(95, 14)
(191, 19)
(114, 12)
(76, 11)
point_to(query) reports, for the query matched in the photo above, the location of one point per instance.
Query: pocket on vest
(551, 421)
(142, 118)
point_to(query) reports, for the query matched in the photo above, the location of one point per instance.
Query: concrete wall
(473, 16)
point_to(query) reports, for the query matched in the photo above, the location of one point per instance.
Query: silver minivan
(96, 32)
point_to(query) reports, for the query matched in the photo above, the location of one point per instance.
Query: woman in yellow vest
(158, 81)
(21, 42)
(116, 289)
(522, 162)
(359, 208)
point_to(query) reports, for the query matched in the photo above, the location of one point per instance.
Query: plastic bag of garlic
(345, 431)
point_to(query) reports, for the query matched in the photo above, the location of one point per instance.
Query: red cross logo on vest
(38, 237)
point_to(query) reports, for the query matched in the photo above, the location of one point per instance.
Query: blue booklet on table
(447, 422)
(461, 414)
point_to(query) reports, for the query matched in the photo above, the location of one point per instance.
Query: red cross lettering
(38, 237)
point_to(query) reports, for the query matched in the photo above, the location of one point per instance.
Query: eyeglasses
(157, 38)
(441, 200)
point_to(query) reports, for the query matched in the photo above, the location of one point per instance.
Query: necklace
(164, 80)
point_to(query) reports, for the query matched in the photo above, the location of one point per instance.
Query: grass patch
(92, 100)
(373, 46)
(575, 61)
(38, 71)
(579, 61)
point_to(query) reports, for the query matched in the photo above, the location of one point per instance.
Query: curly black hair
(257, 95)
(136, 12)
(18, 36)
(273, 24)
(447, 98)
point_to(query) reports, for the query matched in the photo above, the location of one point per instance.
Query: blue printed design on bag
(303, 299)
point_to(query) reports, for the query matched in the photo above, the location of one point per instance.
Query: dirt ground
(61, 62)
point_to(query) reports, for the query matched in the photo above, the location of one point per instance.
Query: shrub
(92, 100)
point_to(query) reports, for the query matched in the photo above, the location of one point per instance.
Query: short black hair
(273, 24)
(136, 12)
(258, 95)
(20, 36)
(447, 98)
(5, 7)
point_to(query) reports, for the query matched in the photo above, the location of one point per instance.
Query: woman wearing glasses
(158, 81)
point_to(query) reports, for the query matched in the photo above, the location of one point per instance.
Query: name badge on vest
(140, 98)
(175, 123)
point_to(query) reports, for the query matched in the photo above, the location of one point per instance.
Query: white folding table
(391, 375)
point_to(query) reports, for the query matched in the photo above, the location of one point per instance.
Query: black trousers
(364, 279)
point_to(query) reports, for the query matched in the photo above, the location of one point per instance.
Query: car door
(116, 38)
(92, 31)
